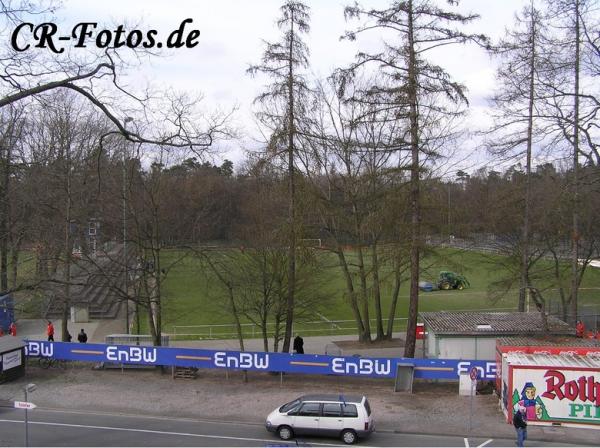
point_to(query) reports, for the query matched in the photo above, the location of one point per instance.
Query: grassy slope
(190, 299)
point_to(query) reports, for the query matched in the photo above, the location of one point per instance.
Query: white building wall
(467, 348)
(431, 349)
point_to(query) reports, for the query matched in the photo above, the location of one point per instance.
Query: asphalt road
(61, 428)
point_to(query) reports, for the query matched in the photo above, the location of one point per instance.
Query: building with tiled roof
(473, 335)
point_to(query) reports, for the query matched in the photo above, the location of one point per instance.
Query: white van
(348, 417)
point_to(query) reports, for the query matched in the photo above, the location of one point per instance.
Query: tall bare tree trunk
(230, 295)
(377, 292)
(351, 293)
(524, 285)
(14, 261)
(68, 249)
(236, 318)
(364, 295)
(5, 156)
(394, 302)
(158, 297)
(576, 204)
(413, 307)
(289, 317)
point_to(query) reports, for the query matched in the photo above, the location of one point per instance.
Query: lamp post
(29, 388)
(125, 285)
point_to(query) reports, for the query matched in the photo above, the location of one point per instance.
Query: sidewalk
(433, 408)
(96, 330)
(319, 345)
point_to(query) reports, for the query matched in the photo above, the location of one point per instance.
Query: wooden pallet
(184, 372)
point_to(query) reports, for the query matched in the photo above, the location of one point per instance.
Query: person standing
(580, 329)
(50, 331)
(299, 345)
(520, 423)
(82, 337)
(12, 329)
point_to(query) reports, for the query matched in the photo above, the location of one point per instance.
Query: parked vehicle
(346, 417)
(427, 286)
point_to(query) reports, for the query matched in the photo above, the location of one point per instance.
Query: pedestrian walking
(12, 329)
(1, 331)
(50, 331)
(299, 345)
(82, 337)
(520, 423)
(69, 337)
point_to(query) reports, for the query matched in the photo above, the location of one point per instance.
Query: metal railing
(251, 330)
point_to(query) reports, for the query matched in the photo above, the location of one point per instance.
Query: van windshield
(289, 406)
(367, 407)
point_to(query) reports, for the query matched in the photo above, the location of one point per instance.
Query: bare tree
(25, 75)
(147, 199)
(572, 105)
(62, 134)
(11, 128)
(99, 77)
(415, 27)
(284, 104)
(354, 173)
(514, 111)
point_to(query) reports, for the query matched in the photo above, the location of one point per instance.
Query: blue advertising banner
(258, 361)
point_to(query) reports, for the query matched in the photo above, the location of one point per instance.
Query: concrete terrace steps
(99, 283)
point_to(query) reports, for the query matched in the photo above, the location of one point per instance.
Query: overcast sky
(231, 38)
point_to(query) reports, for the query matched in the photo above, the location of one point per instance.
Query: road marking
(478, 446)
(153, 417)
(151, 431)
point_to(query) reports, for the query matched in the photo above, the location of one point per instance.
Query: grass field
(191, 299)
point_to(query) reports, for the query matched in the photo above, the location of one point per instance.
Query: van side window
(350, 410)
(289, 406)
(332, 410)
(310, 409)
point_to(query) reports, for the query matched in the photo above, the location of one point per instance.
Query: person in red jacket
(50, 331)
(580, 329)
(12, 329)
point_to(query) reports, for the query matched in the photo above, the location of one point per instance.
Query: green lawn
(191, 299)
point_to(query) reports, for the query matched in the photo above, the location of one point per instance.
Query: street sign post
(473, 374)
(24, 405)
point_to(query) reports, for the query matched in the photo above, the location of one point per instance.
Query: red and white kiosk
(556, 380)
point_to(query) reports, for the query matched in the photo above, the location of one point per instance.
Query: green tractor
(452, 280)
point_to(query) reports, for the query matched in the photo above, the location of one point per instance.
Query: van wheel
(348, 436)
(285, 432)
